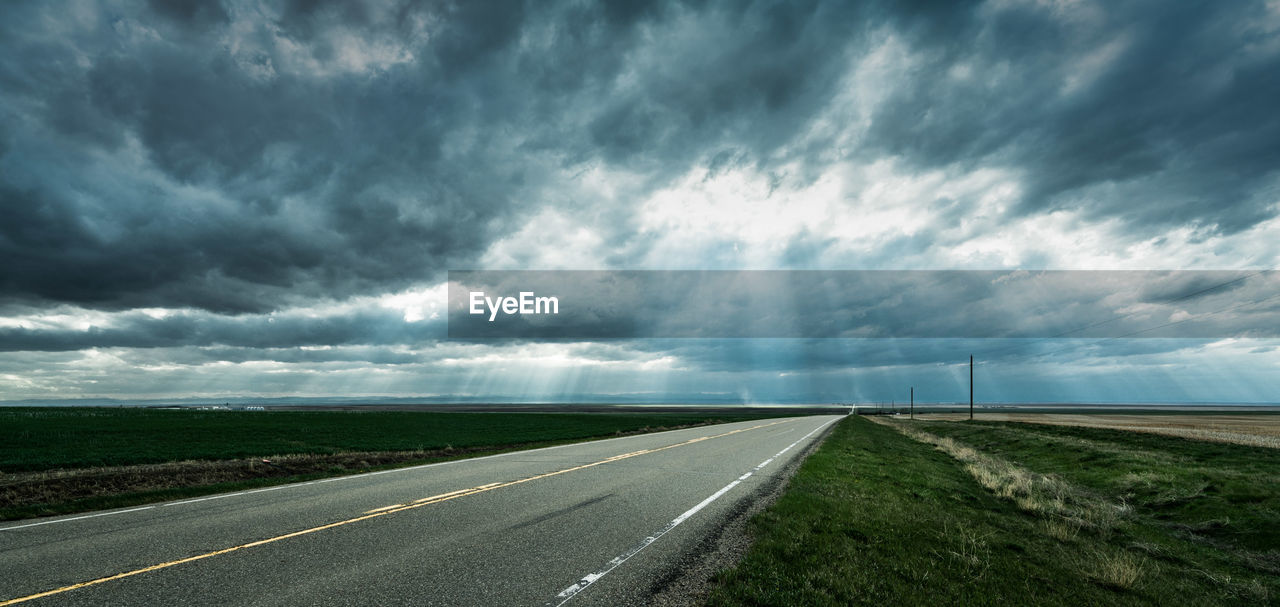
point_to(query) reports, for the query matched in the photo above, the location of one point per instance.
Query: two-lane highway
(593, 524)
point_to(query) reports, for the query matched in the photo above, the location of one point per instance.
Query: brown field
(1242, 429)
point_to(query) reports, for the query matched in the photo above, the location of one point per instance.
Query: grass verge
(877, 517)
(59, 461)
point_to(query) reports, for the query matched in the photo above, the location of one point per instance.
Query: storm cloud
(225, 177)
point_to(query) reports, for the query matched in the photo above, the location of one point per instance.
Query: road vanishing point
(597, 523)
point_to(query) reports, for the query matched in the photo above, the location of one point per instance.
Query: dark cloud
(1156, 114)
(333, 148)
(270, 191)
(750, 75)
(137, 330)
(194, 14)
(237, 158)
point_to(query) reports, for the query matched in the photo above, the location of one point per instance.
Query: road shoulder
(687, 581)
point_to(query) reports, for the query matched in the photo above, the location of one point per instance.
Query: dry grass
(971, 554)
(1062, 530)
(1066, 510)
(1243, 429)
(1117, 568)
(1069, 508)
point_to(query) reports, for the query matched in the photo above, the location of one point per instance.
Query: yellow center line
(383, 508)
(377, 512)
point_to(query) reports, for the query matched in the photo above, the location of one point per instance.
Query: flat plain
(901, 512)
(1262, 430)
(74, 459)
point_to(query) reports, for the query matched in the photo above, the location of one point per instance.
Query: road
(596, 523)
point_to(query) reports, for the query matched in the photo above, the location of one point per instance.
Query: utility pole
(913, 402)
(970, 387)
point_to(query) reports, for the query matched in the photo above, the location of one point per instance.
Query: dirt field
(1243, 429)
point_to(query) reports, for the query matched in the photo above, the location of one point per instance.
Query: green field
(61, 460)
(1015, 514)
(46, 438)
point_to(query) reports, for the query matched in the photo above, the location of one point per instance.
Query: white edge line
(61, 520)
(591, 578)
(218, 497)
(365, 474)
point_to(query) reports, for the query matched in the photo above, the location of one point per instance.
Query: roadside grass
(1067, 508)
(1213, 493)
(59, 461)
(1000, 514)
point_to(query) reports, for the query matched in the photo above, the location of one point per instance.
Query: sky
(263, 199)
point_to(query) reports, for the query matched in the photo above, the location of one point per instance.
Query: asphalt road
(597, 523)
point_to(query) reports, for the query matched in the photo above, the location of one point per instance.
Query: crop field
(59, 460)
(1262, 430)
(899, 512)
